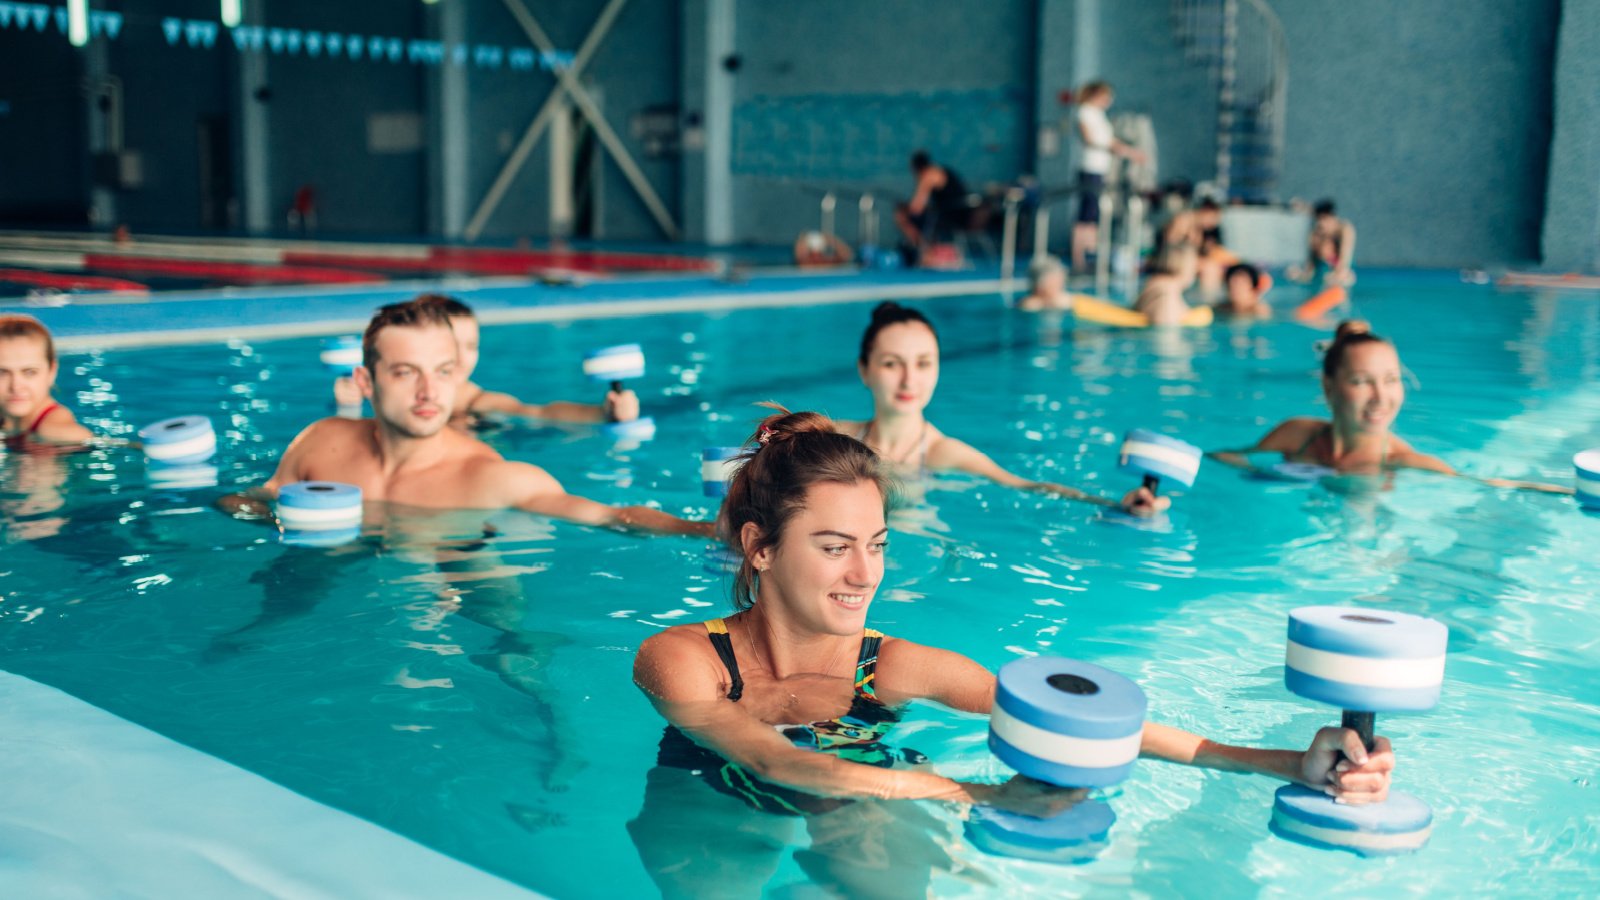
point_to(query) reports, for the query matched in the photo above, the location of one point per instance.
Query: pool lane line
(596, 309)
(439, 257)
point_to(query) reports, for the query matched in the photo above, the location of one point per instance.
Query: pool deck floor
(96, 806)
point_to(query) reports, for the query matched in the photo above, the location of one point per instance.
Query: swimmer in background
(1363, 385)
(1161, 296)
(813, 249)
(472, 401)
(1201, 228)
(1330, 248)
(1246, 287)
(899, 364)
(407, 454)
(789, 705)
(1047, 290)
(29, 415)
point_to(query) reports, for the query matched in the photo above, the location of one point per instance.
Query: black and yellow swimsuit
(858, 736)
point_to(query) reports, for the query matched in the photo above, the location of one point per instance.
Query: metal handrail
(1278, 86)
(1133, 228)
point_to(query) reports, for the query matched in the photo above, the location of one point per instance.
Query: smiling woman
(899, 364)
(750, 699)
(1363, 385)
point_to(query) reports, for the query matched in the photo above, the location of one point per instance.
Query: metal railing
(1115, 201)
(866, 212)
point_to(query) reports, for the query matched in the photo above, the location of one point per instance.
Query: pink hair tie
(766, 435)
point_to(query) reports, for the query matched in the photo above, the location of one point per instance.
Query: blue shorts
(1090, 185)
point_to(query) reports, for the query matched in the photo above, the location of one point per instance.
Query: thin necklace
(902, 459)
(749, 638)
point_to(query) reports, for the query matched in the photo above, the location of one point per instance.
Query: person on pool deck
(472, 401)
(1363, 386)
(1047, 279)
(1161, 296)
(789, 703)
(407, 454)
(899, 364)
(1246, 287)
(1331, 248)
(939, 202)
(814, 250)
(29, 415)
(1100, 144)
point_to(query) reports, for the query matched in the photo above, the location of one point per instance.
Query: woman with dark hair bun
(1364, 390)
(899, 364)
(786, 706)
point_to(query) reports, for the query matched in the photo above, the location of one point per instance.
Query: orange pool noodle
(1321, 303)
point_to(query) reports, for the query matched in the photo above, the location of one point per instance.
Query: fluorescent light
(232, 13)
(78, 22)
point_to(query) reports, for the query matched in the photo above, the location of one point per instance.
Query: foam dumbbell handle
(1363, 724)
(1152, 483)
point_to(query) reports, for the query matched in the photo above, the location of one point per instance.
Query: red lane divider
(239, 273)
(71, 282)
(576, 259)
(403, 264)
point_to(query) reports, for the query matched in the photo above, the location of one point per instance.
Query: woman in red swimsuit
(28, 414)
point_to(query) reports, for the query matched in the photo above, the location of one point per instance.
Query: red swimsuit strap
(49, 408)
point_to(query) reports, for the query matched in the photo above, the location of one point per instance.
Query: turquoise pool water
(472, 692)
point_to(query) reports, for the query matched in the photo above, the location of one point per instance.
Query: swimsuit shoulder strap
(866, 428)
(867, 663)
(717, 631)
(39, 419)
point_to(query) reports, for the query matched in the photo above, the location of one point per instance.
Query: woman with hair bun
(899, 364)
(787, 705)
(1364, 389)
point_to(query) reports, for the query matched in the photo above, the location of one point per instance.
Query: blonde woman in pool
(30, 417)
(899, 364)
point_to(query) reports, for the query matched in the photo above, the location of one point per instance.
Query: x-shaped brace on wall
(567, 83)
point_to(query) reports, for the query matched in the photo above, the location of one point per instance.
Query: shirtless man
(406, 453)
(1246, 286)
(473, 401)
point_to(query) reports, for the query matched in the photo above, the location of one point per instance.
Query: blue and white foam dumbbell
(1078, 835)
(1363, 661)
(612, 366)
(1587, 465)
(341, 355)
(183, 441)
(1069, 723)
(319, 513)
(1156, 456)
(717, 468)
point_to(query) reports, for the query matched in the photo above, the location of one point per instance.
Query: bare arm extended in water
(255, 504)
(1293, 435)
(60, 426)
(949, 453)
(619, 406)
(532, 489)
(683, 680)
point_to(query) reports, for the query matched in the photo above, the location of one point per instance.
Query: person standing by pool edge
(899, 364)
(472, 401)
(407, 454)
(807, 509)
(29, 414)
(1100, 144)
